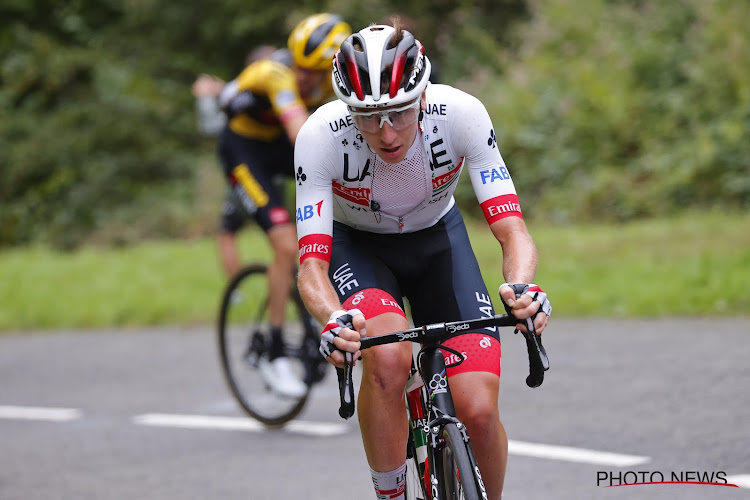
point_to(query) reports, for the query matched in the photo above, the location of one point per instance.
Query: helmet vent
(380, 66)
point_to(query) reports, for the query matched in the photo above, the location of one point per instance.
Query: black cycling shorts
(253, 168)
(233, 215)
(434, 269)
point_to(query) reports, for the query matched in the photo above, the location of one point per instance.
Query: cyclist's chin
(392, 155)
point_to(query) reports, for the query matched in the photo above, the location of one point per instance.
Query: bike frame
(435, 397)
(435, 402)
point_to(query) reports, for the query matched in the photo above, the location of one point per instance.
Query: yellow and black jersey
(262, 95)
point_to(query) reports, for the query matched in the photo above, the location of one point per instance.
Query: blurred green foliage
(98, 131)
(619, 109)
(604, 109)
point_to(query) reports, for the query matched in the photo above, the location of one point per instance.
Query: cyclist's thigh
(364, 282)
(450, 287)
(249, 166)
(360, 278)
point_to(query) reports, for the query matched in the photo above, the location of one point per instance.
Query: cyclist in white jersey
(377, 223)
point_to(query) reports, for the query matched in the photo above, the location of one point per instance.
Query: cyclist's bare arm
(316, 289)
(519, 266)
(321, 300)
(292, 120)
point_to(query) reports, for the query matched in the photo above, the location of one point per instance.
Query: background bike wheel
(457, 479)
(244, 339)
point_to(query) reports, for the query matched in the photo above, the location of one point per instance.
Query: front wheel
(458, 478)
(244, 346)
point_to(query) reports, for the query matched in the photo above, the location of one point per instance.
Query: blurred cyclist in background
(211, 122)
(265, 107)
(207, 88)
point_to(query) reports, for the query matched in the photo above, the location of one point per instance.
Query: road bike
(244, 343)
(440, 463)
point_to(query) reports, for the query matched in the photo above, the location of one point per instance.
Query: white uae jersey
(339, 178)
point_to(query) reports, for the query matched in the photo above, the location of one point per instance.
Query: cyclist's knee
(387, 367)
(479, 418)
(476, 398)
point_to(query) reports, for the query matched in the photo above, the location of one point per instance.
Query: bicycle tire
(243, 337)
(457, 480)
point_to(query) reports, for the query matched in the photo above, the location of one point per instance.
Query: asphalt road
(144, 414)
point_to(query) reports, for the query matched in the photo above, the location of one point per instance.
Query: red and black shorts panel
(480, 353)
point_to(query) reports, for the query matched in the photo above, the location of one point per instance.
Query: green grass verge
(692, 265)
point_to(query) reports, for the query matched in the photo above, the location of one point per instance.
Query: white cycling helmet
(380, 66)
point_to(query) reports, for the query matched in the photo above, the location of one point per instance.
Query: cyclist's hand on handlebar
(341, 334)
(526, 302)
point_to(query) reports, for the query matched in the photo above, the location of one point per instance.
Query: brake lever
(538, 360)
(346, 386)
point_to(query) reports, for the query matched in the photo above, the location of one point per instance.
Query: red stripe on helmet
(397, 73)
(351, 69)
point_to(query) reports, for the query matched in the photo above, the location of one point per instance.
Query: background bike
(440, 461)
(244, 341)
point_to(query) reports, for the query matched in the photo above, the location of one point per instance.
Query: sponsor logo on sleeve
(494, 174)
(309, 211)
(501, 207)
(315, 245)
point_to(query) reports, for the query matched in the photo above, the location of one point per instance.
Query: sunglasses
(398, 118)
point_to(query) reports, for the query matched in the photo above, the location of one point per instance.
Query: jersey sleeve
(489, 175)
(313, 157)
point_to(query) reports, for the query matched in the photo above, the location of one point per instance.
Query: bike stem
(432, 369)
